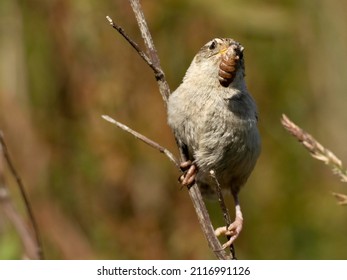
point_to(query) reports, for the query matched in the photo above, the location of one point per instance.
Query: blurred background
(98, 193)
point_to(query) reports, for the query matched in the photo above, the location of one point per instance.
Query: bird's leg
(234, 229)
(189, 173)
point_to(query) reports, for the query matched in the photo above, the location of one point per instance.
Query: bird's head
(220, 59)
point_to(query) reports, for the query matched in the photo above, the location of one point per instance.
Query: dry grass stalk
(318, 151)
(341, 198)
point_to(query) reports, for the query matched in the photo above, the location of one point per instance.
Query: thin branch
(121, 31)
(204, 218)
(221, 201)
(226, 214)
(152, 52)
(23, 194)
(205, 223)
(143, 138)
(146, 35)
(158, 73)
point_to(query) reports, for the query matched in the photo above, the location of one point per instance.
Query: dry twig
(154, 63)
(121, 31)
(143, 138)
(151, 50)
(224, 208)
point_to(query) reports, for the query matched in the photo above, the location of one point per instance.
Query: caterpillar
(229, 65)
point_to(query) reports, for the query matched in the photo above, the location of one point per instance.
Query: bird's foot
(233, 231)
(189, 173)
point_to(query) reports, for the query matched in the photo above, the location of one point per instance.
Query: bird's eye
(213, 45)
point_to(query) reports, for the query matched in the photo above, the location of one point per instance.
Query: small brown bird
(214, 120)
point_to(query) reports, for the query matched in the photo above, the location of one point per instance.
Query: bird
(214, 120)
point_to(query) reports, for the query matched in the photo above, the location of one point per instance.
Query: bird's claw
(189, 173)
(233, 231)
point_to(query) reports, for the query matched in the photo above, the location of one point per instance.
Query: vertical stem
(151, 50)
(224, 208)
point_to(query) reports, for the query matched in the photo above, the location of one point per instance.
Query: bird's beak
(224, 49)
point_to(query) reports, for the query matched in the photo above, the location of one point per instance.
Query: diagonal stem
(134, 45)
(23, 194)
(143, 138)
